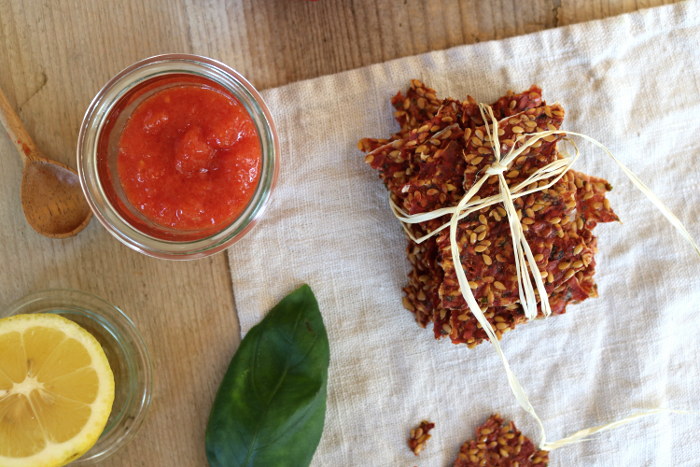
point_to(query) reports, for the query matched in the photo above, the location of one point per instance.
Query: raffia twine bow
(525, 263)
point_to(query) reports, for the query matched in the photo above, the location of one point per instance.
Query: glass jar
(97, 153)
(125, 350)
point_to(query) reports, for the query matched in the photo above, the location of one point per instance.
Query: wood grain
(56, 54)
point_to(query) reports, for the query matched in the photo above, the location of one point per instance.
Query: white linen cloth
(632, 82)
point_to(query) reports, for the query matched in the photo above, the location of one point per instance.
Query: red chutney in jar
(189, 158)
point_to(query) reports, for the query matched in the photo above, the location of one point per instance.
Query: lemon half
(56, 390)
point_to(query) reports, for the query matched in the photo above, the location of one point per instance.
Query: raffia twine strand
(522, 253)
(641, 186)
(524, 259)
(581, 436)
(515, 386)
(544, 173)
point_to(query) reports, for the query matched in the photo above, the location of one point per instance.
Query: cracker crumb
(419, 436)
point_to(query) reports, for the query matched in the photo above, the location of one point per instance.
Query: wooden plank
(294, 40)
(577, 11)
(55, 56)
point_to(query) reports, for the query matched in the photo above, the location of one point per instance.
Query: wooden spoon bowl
(52, 200)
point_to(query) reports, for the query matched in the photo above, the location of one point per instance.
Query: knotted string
(525, 263)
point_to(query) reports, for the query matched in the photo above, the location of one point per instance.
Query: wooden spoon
(52, 200)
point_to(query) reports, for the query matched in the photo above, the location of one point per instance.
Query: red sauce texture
(189, 158)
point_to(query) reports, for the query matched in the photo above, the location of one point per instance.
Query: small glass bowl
(97, 153)
(125, 350)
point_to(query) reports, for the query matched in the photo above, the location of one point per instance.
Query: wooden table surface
(56, 54)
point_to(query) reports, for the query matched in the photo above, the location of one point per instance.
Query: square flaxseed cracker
(444, 157)
(569, 268)
(437, 181)
(563, 246)
(398, 157)
(484, 239)
(394, 159)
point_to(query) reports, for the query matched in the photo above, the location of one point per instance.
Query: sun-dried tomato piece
(499, 444)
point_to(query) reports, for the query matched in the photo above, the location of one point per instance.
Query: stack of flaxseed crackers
(442, 149)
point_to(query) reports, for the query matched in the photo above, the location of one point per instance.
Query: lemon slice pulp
(56, 390)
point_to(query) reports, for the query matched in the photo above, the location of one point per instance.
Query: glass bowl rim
(140, 356)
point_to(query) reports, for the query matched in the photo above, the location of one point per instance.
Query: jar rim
(97, 115)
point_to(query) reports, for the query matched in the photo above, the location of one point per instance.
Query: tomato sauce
(189, 158)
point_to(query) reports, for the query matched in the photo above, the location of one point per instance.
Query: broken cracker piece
(500, 444)
(419, 436)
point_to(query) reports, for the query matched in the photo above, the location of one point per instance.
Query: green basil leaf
(271, 405)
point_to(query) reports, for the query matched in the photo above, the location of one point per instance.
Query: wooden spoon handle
(15, 128)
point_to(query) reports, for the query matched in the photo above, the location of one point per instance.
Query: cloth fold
(631, 82)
